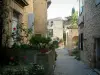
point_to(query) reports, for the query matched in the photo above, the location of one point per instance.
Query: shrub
(76, 53)
(39, 42)
(31, 69)
(56, 44)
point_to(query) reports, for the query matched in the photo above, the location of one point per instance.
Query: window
(50, 32)
(97, 49)
(15, 25)
(51, 23)
(81, 41)
(97, 2)
(81, 6)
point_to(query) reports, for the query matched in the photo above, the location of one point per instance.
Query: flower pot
(44, 50)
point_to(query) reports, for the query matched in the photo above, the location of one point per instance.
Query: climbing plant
(4, 13)
(74, 20)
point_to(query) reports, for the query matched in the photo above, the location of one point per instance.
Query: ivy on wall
(4, 13)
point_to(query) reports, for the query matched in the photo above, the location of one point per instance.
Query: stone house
(55, 28)
(71, 34)
(40, 21)
(15, 12)
(89, 28)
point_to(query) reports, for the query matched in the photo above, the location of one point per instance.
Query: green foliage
(30, 31)
(19, 39)
(30, 69)
(76, 53)
(61, 40)
(4, 14)
(40, 42)
(36, 69)
(56, 44)
(74, 18)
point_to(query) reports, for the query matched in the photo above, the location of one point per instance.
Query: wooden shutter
(30, 20)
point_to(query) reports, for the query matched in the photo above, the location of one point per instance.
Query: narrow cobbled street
(67, 65)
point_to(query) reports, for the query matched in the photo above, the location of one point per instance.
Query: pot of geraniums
(40, 43)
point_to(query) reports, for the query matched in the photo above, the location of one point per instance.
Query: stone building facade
(71, 34)
(89, 32)
(71, 38)
(27, 13)
(14, 13)
(55, 28)
(40, 21)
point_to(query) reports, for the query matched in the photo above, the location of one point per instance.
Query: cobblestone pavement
(67, 65)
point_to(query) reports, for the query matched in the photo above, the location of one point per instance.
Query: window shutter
(97, 2)
(30, 20)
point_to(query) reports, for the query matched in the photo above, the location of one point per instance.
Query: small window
(50, 32)
(51, 23)
(97, 2)
(81, 41)
(81, 7)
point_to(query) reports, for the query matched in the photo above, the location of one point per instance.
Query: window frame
(97, 3)
(81, 7)
(50, 32)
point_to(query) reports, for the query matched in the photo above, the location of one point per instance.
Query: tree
(74, 20)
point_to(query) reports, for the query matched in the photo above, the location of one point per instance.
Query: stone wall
(90, 30)
(70, 34)
(40, 21)
(47, 60)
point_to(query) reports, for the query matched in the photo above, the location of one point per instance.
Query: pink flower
(14, 28)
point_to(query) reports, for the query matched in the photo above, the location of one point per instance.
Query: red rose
(14, 28)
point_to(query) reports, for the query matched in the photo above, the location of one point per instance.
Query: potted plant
(40, 43)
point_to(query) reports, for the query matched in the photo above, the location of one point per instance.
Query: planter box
(47, 60)
(24, 56)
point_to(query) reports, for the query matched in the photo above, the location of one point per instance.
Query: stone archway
(74, 40)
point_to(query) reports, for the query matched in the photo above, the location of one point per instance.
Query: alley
(67, 65)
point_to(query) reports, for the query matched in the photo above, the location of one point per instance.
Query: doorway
(98, 53)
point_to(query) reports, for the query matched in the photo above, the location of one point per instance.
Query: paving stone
(67, 65)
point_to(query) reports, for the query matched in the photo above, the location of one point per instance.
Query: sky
(61, 8)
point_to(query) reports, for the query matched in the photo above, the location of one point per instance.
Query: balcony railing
(22, 2)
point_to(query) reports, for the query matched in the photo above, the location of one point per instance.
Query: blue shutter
(97, 2)
(30, 20)
(81, 6)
